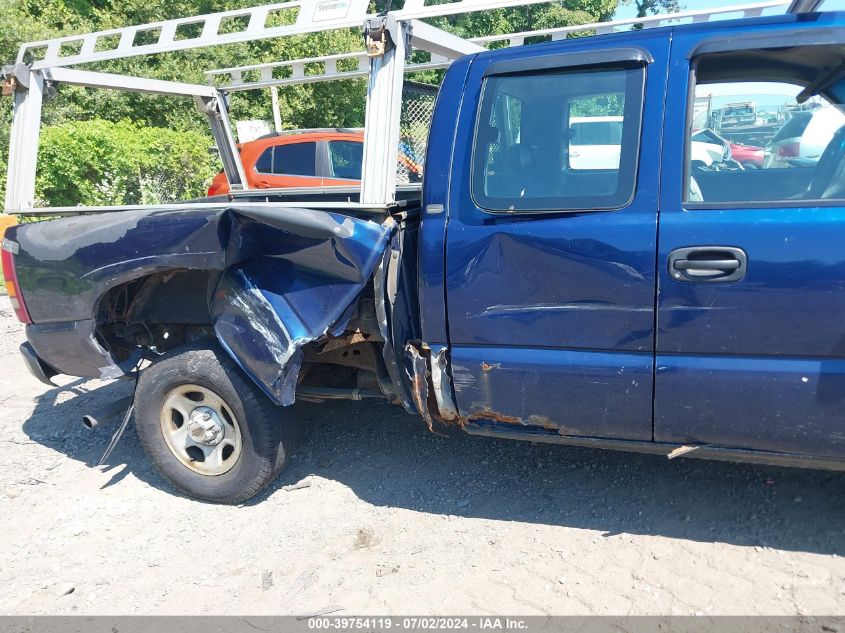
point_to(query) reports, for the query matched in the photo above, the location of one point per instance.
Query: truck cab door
(751, 340)
(551, 238)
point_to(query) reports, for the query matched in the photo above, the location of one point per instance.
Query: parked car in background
(306, 158)
(595, 142)
(749, 156)
(804, 137)
(708, 148)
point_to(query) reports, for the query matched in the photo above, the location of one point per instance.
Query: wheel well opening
(168, 309)
(161, 311)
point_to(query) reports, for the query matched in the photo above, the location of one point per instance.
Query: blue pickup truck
(652, 295)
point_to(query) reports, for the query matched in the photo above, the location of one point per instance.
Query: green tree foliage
(89, 127)
(100, 162)
(599, 105)
(653, 7)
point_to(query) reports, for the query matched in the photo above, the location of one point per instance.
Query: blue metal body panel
(757, 363)
(784, 404)
(564, 302)
(431, 264)
(601, 394)
(300, 285)
(66, 265)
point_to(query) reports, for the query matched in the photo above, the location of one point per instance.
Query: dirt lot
(376, 515)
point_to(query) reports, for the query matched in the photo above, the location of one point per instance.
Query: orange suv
(310, 158)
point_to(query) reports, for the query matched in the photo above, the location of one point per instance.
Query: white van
(595, 142)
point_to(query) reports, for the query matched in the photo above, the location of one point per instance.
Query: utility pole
(277, 115)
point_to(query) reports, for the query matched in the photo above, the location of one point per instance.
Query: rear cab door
(751, 336)
(550, 279)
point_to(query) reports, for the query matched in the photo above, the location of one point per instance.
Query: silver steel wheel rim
(200, 430)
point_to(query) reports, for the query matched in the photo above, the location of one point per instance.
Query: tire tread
(269, 436)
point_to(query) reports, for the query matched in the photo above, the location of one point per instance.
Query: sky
(761, 93)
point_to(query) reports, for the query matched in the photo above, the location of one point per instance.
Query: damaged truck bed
(283, 290)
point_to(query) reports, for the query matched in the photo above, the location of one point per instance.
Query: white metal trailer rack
(389, 40)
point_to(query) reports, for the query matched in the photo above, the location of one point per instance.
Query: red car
(747, 155)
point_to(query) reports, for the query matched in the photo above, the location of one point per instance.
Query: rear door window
(558, 140)
(295, 159)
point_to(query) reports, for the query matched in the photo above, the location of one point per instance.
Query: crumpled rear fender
(284, 277)
(299, 285)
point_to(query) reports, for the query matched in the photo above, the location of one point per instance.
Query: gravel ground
(375, 515)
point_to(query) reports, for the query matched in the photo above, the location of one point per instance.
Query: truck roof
(832, 18)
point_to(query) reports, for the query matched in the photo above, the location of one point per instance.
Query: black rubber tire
(265, 433)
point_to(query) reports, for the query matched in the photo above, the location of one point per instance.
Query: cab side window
(558, 140)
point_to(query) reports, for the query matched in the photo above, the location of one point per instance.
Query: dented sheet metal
(565, 391)
(427, 372)
(417, 371)
(300, 288)
(284, 277)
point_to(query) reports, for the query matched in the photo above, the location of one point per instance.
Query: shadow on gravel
(388, 458)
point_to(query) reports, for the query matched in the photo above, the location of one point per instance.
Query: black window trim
(602, 57)
(800, 36)
(323, 159)
(763, 204)
(793, 37)
(637, 57)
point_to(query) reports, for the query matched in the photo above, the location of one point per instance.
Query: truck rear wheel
(207, 427)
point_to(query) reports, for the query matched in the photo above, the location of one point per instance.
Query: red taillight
(789, 150)
(219, 185)
(10, 275)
